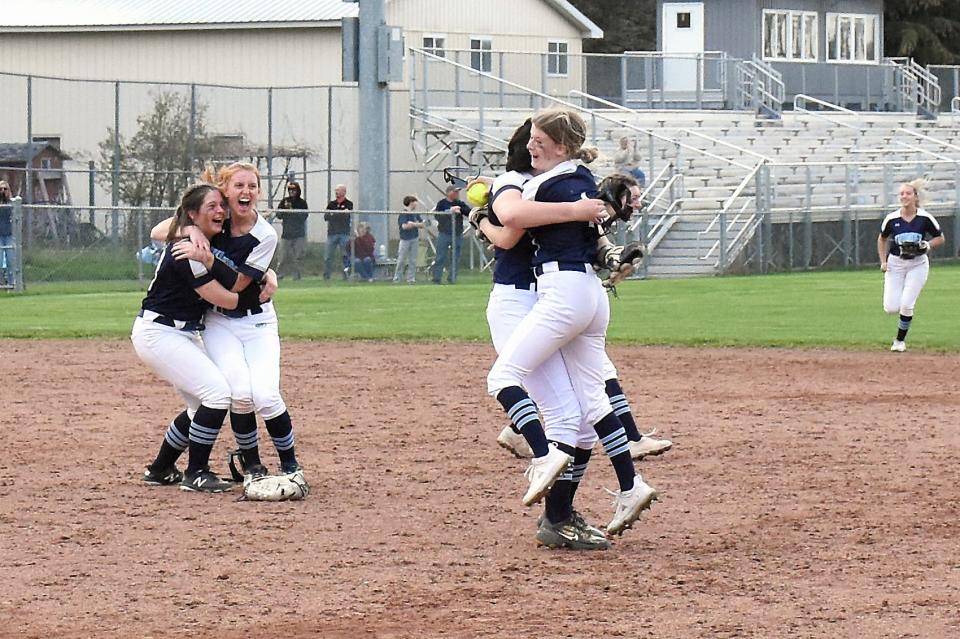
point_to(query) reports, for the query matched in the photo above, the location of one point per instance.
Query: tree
(926, 30)
(627, 26)
(155, 164)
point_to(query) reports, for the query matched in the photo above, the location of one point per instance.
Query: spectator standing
(627, 160)
(6, 235)
(410, 224)
(364, 245)
(338, 229)
(294, 238)
(449, 233)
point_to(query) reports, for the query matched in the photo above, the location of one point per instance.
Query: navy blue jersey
(249, 254)
(408, 234)
(514, 266)
(172, 293)
(921, 227)
(567, 241)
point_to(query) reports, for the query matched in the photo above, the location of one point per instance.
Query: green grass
(810, 310)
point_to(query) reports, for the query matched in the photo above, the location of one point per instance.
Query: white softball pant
(570, 316)
(902, 283)
(549, 385)
(179, 357)
(247, 351)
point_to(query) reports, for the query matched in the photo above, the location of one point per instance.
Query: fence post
(329, 140)
(139, 215)
(500, 84)
(193, 127)
(956, 210)
(115, 183)
(808, 222)
(18, 283)
(847, 235)
(270, 147)
(766, 223)
(92, 187)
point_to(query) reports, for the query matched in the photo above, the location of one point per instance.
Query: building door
(682, 31)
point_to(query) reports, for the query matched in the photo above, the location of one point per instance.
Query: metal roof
(84, 14)
(23, 152)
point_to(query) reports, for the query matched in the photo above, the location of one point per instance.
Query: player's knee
(242, 406)
(906, 311)
(269, 404)
(891, 309)
(587, 441)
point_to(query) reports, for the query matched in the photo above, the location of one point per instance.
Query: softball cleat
(543, 472)
(204, 481)
(649, 445)
(163, 477)
(899, 346)
(629, 504)
(514, 442)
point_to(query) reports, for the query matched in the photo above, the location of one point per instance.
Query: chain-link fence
(83, 252)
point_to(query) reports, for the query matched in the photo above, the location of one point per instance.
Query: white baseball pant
(902, 283)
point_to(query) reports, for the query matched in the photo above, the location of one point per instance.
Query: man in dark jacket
(294, 238)
(338, 229)
(449, 233)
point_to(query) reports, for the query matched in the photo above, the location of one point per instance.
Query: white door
(682, 34)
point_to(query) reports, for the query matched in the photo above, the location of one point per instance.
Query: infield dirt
(808, 494)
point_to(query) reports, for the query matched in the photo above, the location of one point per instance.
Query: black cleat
(166, 477)
(204, 481)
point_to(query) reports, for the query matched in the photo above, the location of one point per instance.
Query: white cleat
(898, 346)
(515, 443)
(629, 504)
(649, 445)
(543, 472)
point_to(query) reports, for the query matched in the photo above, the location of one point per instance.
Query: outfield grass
(831, 309)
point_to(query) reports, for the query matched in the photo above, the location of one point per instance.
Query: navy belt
(238, 313)
(531, 286)
(553, 267)
(157, 318)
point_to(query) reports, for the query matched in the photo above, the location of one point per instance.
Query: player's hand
(883, 266)
(186, 250)
(197, 237)
(590, 210)
(269, 287)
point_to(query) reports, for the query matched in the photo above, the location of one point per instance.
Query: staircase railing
(724, 224)
(760, 87)
(955, 107)
(918, 87)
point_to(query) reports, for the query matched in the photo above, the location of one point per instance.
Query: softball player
(244, 342)
(903, 248)
(166, 336)
(570, 315)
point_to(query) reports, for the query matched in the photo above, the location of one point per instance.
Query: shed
(47, 162)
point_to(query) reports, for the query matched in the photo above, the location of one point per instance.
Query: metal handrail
(852, 163)
(922, 150)
(800, 109)
(724, 143)
(673, 179)
(929, 97)
(451, 125)
(659, 230)
(615, 106)
(930, 139)
(730, 200)
(955, 104)
(730, 224)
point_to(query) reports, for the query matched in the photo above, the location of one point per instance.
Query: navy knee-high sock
(523, 413)
(244, 426)
(281, 430)
(175, 441)
(617, 447)
(203, 433)
(581, 457)
(558, 504)
(618, 400)
(903, 327)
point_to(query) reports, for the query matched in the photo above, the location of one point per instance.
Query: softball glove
(290, 487)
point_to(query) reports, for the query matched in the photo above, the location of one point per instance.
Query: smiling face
(545, 154)
(908, 196)
(635, 198)
(210, 216)
(242, 191)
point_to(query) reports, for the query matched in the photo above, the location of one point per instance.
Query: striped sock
(617, 447)
(523, 414)
(281, 430)
(622, 409)
(903, 327)
(558, 504)
(244, 426)
(581, 457)
(175, 441)
(203, 433)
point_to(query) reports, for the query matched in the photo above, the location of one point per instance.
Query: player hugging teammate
(548, 314)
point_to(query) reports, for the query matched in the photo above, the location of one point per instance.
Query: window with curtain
(789, 35)
(852, 37)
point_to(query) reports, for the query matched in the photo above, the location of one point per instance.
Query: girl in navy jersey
(903, 246)
(166, 336)
(245, 342)
(569, 316)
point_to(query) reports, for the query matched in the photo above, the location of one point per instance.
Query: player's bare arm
(516, 212)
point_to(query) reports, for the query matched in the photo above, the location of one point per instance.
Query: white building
(245, 44)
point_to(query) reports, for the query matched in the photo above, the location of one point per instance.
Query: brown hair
(410, 199)
(566, 127)
(614, 180)
(190, 202)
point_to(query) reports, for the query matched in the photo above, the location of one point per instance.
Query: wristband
(224, 274)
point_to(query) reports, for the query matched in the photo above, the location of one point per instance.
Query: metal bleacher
(717, 178)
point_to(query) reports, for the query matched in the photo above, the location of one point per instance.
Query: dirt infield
(806, 496)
